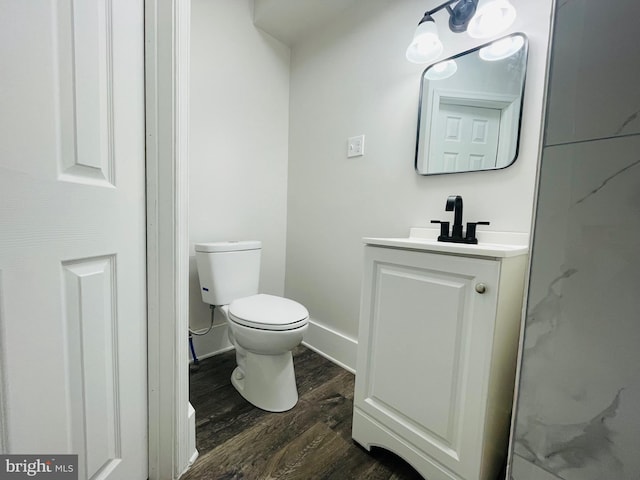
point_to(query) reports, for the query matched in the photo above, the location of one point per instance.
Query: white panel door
(465, 138)
(72, 233)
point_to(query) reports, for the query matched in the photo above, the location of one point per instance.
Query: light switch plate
(355, 146)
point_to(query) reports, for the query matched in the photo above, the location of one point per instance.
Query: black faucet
(454, 204)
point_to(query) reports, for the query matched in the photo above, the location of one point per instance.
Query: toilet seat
(268, 312)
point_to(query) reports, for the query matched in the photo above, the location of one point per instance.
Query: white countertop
(490, 244)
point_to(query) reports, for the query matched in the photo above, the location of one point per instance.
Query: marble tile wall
(578, 415)
(593, 91)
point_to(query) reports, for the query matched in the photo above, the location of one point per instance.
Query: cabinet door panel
(419, 326)
(424, 364)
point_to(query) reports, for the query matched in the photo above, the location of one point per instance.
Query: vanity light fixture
(480, 18)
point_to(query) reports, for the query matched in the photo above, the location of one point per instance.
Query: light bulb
(491, 18)
(502, 48)
(441, 70)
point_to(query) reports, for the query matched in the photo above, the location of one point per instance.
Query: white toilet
(262, 328)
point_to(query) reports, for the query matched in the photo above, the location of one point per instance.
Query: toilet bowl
(264, 329)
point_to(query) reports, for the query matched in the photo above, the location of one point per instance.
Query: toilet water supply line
(196, 362)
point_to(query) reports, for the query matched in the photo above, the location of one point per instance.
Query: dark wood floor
(312, 441)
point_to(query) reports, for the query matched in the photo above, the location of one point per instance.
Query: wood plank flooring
(312, 441)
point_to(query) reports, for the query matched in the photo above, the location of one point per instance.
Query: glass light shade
(441, 70)
(426, 45)
(491, 18)
(500, 49)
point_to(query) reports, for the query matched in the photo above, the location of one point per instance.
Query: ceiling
(288, 20)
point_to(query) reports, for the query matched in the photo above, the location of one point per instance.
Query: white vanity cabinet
(436, 362)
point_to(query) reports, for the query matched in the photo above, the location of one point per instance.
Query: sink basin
(490, 244)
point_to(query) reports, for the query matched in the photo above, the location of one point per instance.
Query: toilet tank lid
(228, 246)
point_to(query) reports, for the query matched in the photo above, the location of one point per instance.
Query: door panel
(466, 138)
(84, 32)
(92, 342)
(72, 233)
(419, 319)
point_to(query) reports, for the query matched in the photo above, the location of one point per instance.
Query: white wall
(349, 78)
(239, 134)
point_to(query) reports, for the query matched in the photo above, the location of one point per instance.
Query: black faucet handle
(444, 227)
(470, 236)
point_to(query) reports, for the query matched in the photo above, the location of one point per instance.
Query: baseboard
(192, 435)
(191, 447)
(331, 344)
(213, 343)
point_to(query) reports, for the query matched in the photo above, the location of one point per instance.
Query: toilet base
(267, 381)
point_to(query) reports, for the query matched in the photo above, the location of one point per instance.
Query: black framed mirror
(470, 109)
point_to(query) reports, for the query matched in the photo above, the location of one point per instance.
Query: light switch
(355, 146)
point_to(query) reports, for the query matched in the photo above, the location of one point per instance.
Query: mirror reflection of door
(465, 138)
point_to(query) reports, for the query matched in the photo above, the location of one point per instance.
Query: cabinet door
(424, 351)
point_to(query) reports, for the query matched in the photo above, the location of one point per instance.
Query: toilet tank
(228, 270)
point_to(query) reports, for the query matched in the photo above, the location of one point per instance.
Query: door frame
(167, 32)
(506, 103)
